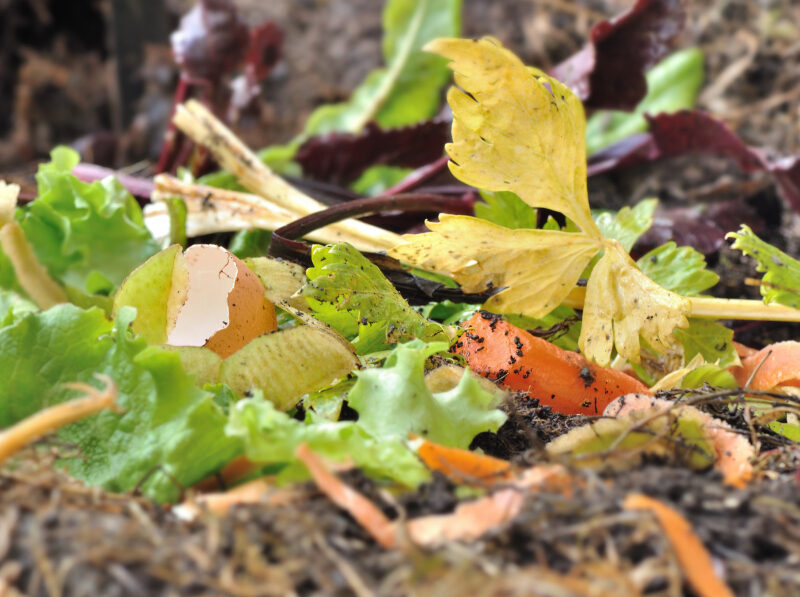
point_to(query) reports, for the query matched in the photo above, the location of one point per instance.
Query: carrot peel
(692, 555)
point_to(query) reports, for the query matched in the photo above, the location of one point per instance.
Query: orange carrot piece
(561, 379)
(463, 466)
(774, 365)
(743, 350)
(234, 471)
(367, 514)
(692, 555)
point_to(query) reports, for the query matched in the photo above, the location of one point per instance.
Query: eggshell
(216, 302)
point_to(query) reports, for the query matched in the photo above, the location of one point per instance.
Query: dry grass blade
(48, 420)
(205, 129)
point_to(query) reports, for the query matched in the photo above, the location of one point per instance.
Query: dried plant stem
(716, 308)
(32, 275)
(213, 210)
(205, 129)
(45, 421)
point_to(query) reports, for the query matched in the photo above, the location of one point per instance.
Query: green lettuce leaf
(408, 89)
(506, 209)
(348, 292)
(13, 306)
(781, 282)
(711, 339)
(88, 236)
(679, 269)
(170, 434)
(393, 401)
(628, 224)
(672, 85)
(713, 375)
(271, 437)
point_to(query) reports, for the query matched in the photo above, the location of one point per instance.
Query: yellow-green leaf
(622, 303)
(516, 129)
(538, 267)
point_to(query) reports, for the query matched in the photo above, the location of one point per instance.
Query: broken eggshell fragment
(203, 297)
(224, 306)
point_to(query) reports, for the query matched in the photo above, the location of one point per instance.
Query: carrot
(463, 466)
(236, 470)
(692, 555)
(561, 379)
(774, 365)
(366, 513)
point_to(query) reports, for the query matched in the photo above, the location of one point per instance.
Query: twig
(48, 420)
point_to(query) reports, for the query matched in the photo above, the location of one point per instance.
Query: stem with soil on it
(48, 420)
(205, 129)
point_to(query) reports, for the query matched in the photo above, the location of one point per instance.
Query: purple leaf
(340, 158)
(696, 132)
(609, 72)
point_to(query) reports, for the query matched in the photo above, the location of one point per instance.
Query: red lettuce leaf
(609, 72)
(340, 158)
(696, 132)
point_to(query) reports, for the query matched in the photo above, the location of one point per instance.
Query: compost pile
(437, 335)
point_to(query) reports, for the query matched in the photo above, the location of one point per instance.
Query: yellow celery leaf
(622, 303)
(516, 129)
(538, 267)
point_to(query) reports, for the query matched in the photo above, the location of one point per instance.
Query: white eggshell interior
(212, 274)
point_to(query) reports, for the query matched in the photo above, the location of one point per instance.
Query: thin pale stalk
(205, 129)
(213, 210)
(32, 276)
(704, 307)
(48, 420)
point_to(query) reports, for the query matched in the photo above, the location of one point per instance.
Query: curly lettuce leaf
(88, 236)
(781, 282)
(271, 437)
(393, 401)
(351, 294)
(170, 434)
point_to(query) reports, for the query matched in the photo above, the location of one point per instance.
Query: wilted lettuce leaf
(393, 401)
(88, 236)
(170, 434)
(351, 294)
(781, 282)
(506, 209)
(271, 437)
(714, 375)
(679, 269)
(672, 85)
(628, 224)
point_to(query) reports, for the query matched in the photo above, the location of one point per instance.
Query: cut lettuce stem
(212, 210)
(716, 308)
(32, 276)
(194, 120)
